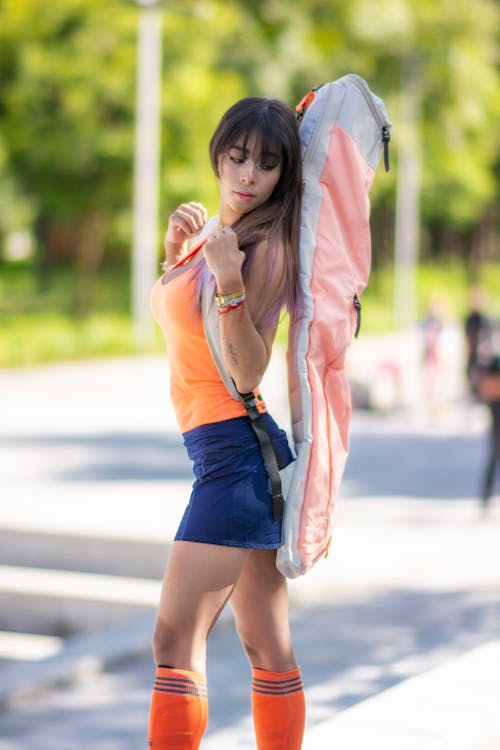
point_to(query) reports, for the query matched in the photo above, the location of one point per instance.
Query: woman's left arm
(245, 350)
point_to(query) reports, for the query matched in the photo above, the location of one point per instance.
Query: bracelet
(235, 302)
(225, 299)
(223, 309)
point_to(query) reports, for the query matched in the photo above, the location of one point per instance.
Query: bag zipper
(357, 306)
(364, 89)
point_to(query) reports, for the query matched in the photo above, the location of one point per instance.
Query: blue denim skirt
(230, 503)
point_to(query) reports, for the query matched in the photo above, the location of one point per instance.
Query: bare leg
(198, 581)
(260, 606)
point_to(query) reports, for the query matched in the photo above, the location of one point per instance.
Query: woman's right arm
(186, 222)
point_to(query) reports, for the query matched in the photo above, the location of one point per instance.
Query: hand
(185, 222)
(488, 387)
(224, 259)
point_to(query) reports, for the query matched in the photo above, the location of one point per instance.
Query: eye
(236, 155)
(269, 166)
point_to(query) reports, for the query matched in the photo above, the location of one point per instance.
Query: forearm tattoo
(232, 352)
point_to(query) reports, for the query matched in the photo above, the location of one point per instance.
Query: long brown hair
(277, 220)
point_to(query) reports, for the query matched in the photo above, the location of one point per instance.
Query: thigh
(198, 580)
(260, 606)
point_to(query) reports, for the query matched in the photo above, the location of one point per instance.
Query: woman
(226, 544)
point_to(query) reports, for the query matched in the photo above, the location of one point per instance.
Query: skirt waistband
(232, 435)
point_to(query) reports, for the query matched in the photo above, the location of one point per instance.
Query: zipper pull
(306, 102)
(386, 137)
(357, 307)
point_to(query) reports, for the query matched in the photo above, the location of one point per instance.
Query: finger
(183, 222)
(195, 212)
(211, 239)
(183, 219)
(200, 208)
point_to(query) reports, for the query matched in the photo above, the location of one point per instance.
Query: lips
(243, 196)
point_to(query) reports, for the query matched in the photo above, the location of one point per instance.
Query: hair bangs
(252, 118)
(266, 131)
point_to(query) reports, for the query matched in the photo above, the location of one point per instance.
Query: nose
(248, 174)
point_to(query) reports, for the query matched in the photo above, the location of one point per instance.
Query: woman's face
(246, 179)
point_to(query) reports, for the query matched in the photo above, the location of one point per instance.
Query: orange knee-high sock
(179, 710)
(278, 707)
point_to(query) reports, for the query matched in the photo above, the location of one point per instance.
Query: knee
(163, 642)
(252, 650)
(178, 646)
(275, 654)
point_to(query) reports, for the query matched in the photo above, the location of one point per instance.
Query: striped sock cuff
(276, 683)
(180, 682)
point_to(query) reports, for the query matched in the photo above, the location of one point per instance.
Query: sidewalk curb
(82, 655)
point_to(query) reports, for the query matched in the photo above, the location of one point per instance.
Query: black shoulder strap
(268, 452)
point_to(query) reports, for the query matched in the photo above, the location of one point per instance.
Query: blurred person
(483, 371)
(431, 328)
(225, 546)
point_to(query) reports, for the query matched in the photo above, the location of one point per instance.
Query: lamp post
(146, 168)
(407, 198)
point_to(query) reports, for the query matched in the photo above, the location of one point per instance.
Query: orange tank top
(198, 394)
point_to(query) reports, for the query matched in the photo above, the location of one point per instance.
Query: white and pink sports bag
(343, 130)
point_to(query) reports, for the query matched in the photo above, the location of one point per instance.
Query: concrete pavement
(454, 705)
(412, 585)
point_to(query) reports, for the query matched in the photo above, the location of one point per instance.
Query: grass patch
(29, 340)
(42, 326)
(445, 284)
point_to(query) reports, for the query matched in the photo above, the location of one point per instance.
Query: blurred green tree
(67, 75)
(456, 46)
(67, 105)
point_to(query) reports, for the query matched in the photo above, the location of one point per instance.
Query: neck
(227, 217)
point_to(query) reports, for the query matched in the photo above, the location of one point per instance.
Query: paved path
(412, 584)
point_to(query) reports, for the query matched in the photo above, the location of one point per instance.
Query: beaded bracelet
(228, 308)
(223, 309)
